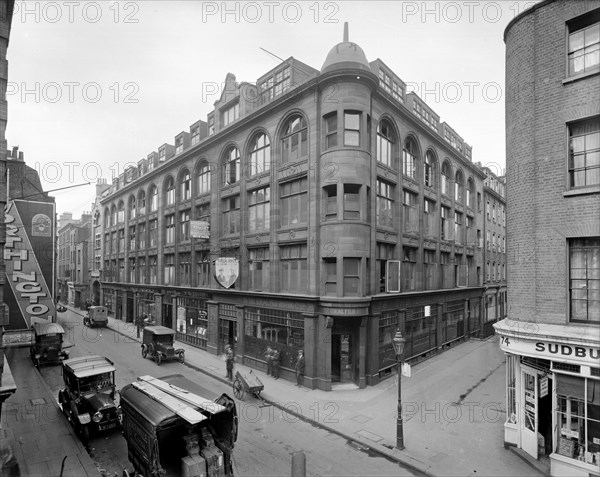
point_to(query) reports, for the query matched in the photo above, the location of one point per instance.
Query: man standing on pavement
(300, 368)
(229, 362)
(269, 357)
(276, 358)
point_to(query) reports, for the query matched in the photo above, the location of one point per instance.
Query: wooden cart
(247, 383)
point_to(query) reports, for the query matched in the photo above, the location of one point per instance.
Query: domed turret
(345, 55)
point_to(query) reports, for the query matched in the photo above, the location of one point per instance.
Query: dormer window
(211, 126)
(179, 145)
(195, 135)
(276, 85)
(230, 114)
(161, 155)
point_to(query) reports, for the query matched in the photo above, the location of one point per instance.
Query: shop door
(341, 358)
(167, 315)
(227, 334)
(529, 428)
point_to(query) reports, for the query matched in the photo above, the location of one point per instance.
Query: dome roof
(345, 55)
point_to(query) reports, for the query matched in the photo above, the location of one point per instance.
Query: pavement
(453, 411)
(34, 428)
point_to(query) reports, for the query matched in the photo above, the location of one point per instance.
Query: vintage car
(174, 427)
(157, 342)
(48, 345)
(88, 399)
(97, 316)
(61, 308)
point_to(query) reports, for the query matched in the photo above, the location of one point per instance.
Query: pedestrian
(269, 358)
(229, 362)
(276, 358)
(300, 364)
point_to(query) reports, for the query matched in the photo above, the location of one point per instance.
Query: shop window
(578, 418)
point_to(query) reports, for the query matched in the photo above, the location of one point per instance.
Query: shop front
(553, 395)
(192, 319)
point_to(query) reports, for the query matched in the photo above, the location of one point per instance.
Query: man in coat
(229, 362)
(269, 358)
(300, 364)
(276, 359)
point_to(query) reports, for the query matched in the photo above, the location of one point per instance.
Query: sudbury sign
(561, 352)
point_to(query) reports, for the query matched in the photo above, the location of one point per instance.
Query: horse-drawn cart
(247, 383)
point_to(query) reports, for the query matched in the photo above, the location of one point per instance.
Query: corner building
(551, 336)
(351, 209)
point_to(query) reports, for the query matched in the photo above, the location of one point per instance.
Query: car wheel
(181, 357)
(85, 435)
(158, 359)
(144, 352)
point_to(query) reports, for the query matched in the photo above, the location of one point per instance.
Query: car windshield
(164, 339)
(96, 382)
(49, 339)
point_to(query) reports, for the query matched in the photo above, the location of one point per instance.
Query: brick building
(74, 240)
(494, 249)
(551, 336)
(345, 208)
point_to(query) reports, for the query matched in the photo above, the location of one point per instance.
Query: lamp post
(399, 341)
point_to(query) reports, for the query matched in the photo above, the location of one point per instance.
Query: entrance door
(167, 315)
(529, 428)
(227, 334)
(129, 307)
(341, 358)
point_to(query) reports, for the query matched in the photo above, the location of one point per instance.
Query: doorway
(129, 307)
(342, 359)
(529, 428)
(227, 334)
(167, 315)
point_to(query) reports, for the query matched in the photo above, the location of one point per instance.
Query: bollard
(298, 464)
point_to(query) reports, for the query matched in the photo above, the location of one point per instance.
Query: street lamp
(399, 341)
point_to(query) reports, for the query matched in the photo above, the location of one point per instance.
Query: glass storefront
(279, 329)
(147, 307)
(192, 321)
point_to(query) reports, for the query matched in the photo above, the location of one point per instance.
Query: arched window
(470, 193)
(113, 215)
(106, 217)
(170, 192)
(131, 207)
(142, 202)
(186, 186)
(231, 166)
(121, 212)
(203, 178)
(446, 178)
(459, 187)
(386, 141)
(294, 140)
(410, 158)
(260, 154)
(429, 169)
(153, 198)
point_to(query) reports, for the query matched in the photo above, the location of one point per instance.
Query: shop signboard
(29, 260)
(227, 271)
(543, 386)
(199, 229)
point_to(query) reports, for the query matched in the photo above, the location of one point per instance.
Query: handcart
(248, 383)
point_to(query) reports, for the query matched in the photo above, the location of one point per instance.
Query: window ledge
(585, 74)
(582, 191)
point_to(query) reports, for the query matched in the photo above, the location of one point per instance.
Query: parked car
(174, 427)
(48, 345)
(97, 316)
(157, 342)
(88, 399)
(61, 308)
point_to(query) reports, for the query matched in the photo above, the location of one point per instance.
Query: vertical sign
(29, 260)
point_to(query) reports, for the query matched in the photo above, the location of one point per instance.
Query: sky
(95, 86)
